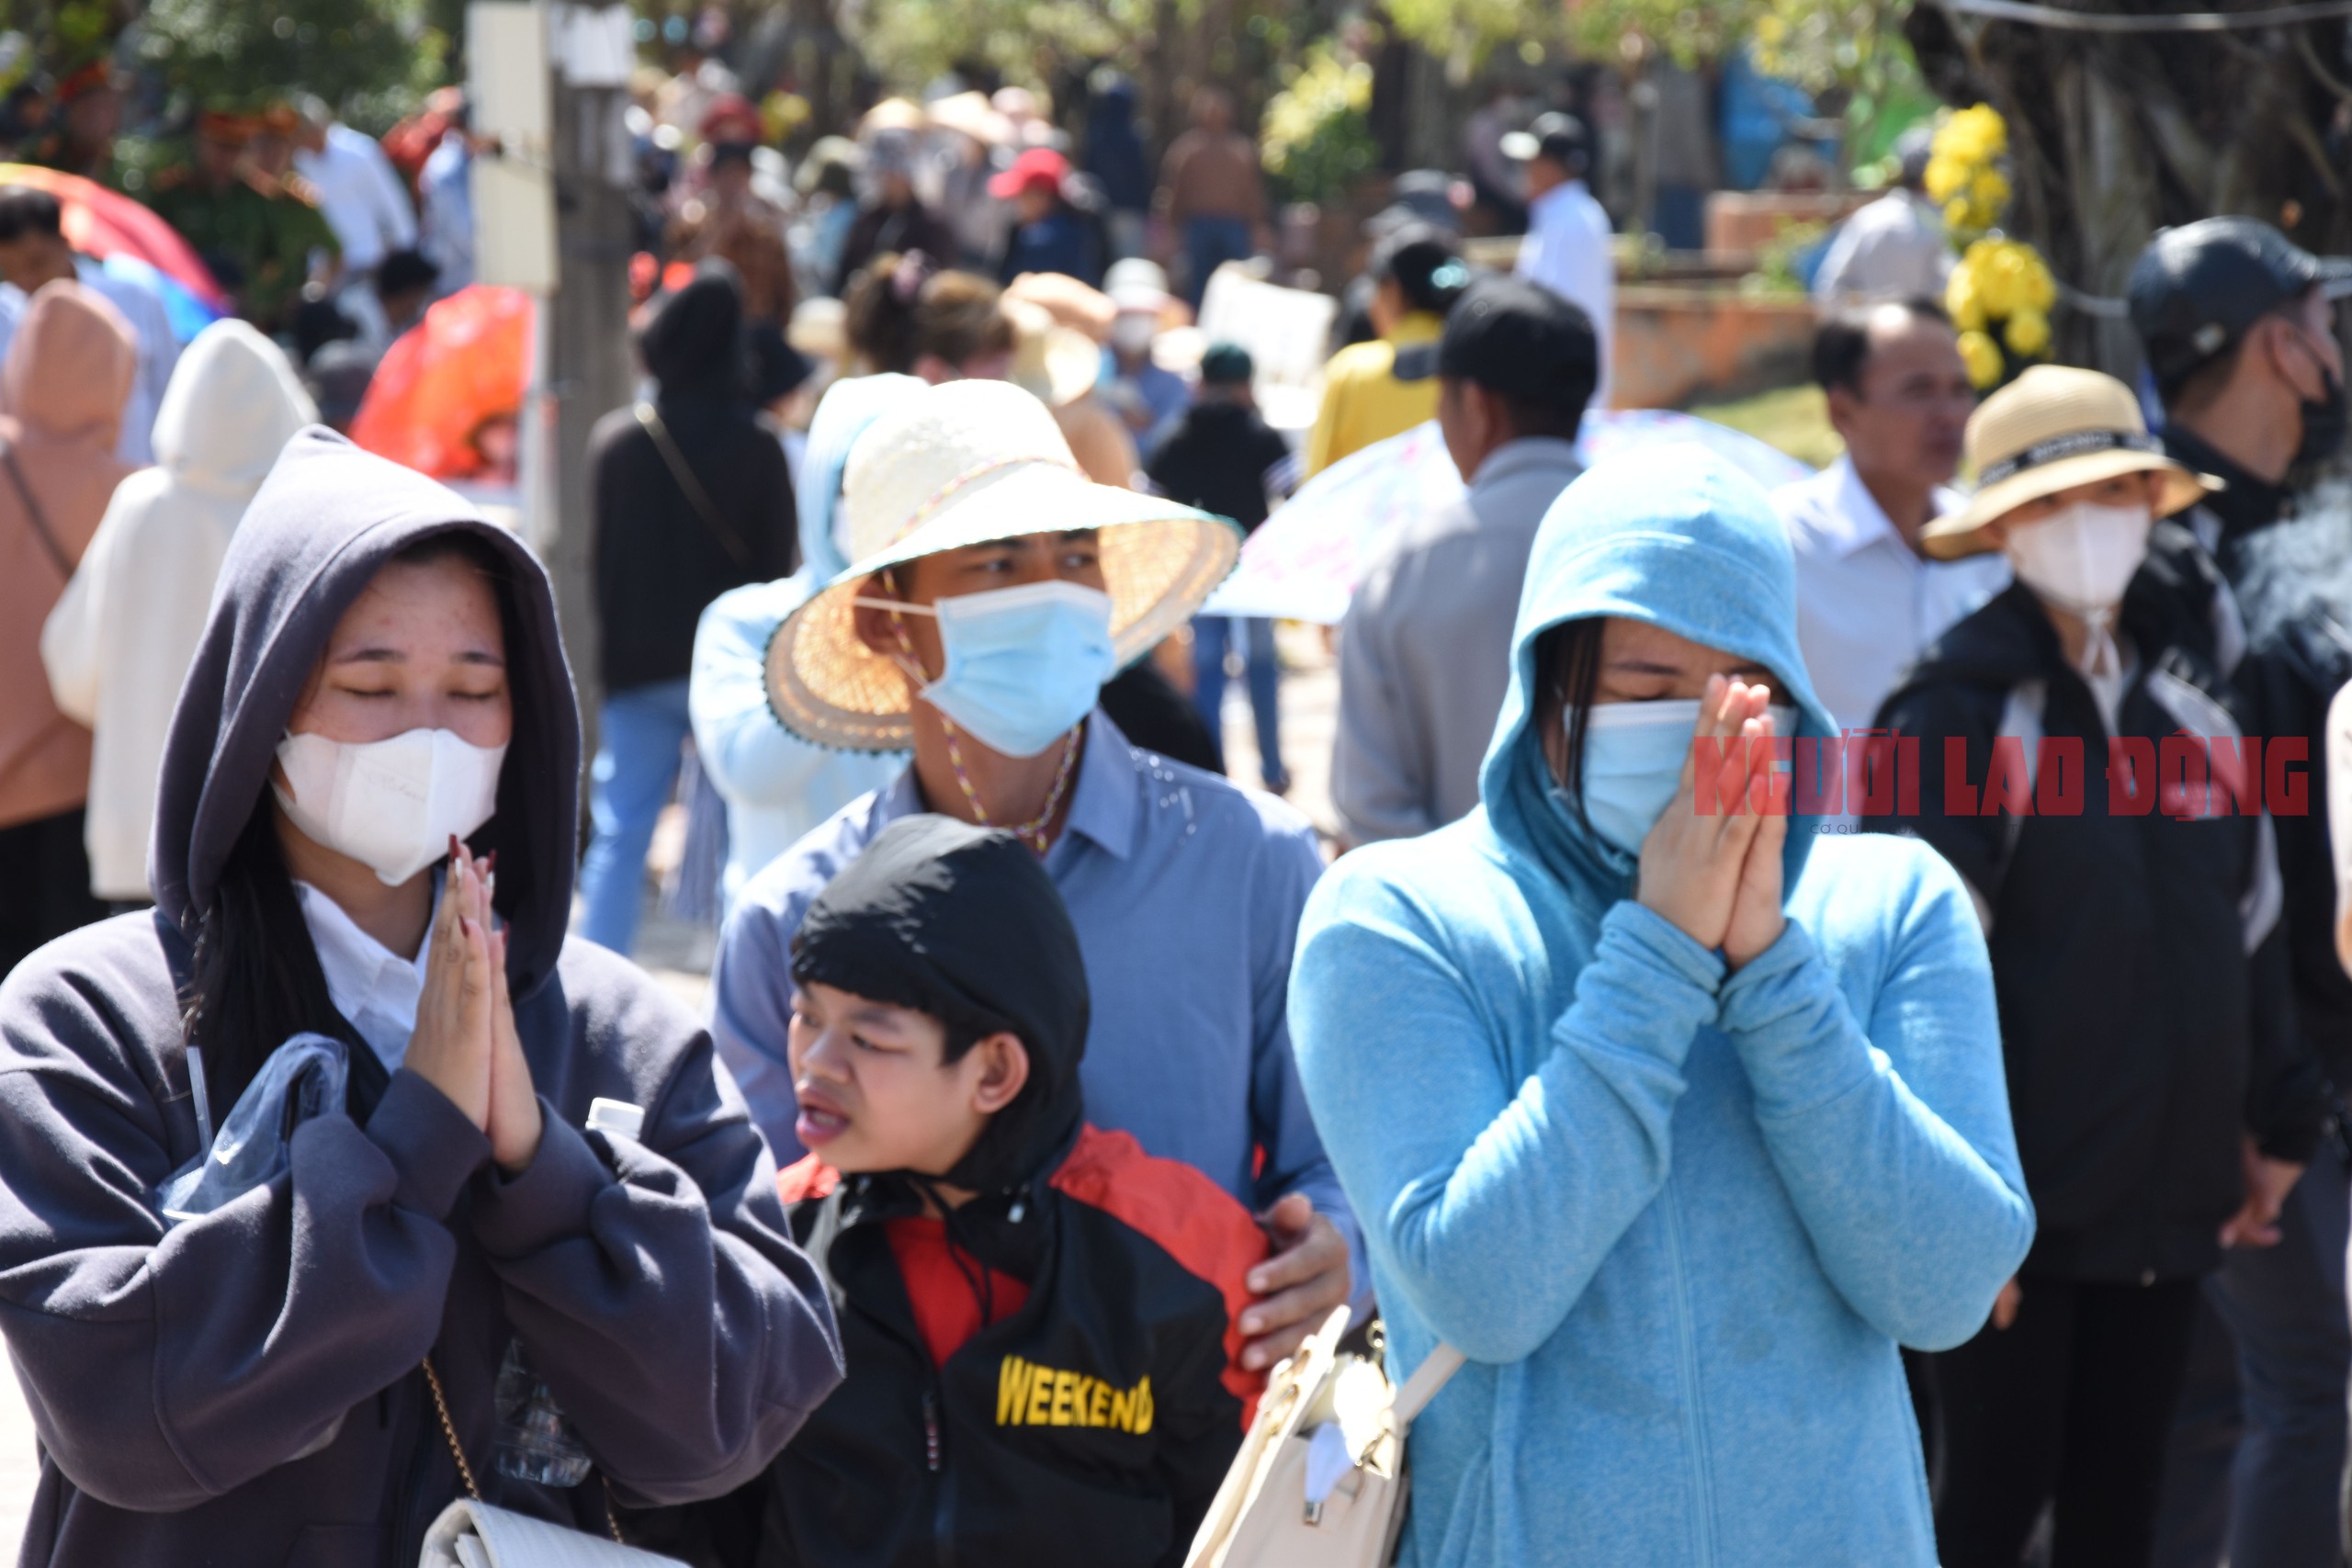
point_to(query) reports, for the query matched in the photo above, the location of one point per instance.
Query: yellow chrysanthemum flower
(1961, 301)
(1983, 357)
(2027, 334)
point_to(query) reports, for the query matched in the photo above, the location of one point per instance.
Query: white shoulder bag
(470, 1533)
(1320, 1480)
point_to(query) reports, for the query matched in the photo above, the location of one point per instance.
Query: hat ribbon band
(946, 492)
(2074, 443)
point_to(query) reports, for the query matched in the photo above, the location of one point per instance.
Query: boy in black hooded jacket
(1039, 1319)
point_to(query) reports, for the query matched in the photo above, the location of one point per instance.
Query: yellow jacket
(1362, 400)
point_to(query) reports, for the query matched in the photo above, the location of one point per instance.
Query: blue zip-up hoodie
(1678, 1221)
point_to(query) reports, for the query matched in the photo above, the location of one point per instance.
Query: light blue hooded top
(1678, 1221)
(776, 785)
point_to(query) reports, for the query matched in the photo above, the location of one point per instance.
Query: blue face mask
(1634, 754)
(1023, 665)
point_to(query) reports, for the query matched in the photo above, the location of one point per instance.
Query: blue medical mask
(1634, 754)
(1023, 665)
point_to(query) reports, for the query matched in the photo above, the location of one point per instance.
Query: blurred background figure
(120, 640)
(690, 498)
(1223, 457)
(1150, 399)
(727, 219)
(1896, 245)
(1116, 159)
(1211, 192)
(1568, 234)
(1048, 234)
(445, 202)
(33, 253)
(890, 216)
(1373, 390)
(63, 383)
(363, 198)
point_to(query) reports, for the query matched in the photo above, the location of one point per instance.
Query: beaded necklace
(1032, 832)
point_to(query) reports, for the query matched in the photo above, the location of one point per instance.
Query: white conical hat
(963, 464)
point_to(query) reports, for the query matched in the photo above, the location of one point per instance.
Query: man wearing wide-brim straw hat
(994, 589)
(2162, 1111)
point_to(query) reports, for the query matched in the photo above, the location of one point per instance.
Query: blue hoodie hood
(846, 409)
(1679, 538)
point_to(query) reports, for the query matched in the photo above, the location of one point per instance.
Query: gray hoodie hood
(325, 519)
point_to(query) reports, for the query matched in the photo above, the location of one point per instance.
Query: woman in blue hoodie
(1675, 1123)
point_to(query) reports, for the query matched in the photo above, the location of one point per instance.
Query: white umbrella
(1305, 563)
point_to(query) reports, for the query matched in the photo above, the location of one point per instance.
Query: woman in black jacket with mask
(2162, 1108)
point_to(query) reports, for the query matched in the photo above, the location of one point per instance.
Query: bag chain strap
(466, 1472)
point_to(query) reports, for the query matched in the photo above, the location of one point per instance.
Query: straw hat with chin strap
(970, 463)
(2053, 428)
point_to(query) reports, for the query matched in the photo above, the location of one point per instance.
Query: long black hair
(255, 980)
(1567, 677)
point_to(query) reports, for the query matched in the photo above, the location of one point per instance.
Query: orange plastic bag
(464, 365)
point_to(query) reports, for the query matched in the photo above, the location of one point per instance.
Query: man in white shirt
(1868, 602)
(1895, 246)
(33, 251)
(360, 194)
(1567, 248)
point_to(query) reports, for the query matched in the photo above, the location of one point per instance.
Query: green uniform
(257, 243)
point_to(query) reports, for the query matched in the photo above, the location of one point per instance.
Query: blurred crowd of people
(1804, 1159)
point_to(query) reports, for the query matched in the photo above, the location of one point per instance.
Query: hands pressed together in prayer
(465, 1043)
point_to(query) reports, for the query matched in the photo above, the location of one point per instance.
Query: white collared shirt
(1867, 605)
(1566, 251)
(361, 196)
(369, 984)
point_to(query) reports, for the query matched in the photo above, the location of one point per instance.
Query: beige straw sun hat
(2053, 428)
(965, 464)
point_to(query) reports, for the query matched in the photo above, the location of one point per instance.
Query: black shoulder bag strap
(696, 497)
(34, 514)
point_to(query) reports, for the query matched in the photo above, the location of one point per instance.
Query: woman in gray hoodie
(617, 1319)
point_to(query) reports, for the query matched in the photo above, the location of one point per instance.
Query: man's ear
(873, 626)
(1004, 1072)
(2277, 340)
(1842, 404)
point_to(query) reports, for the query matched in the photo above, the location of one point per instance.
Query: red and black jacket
(1092, 1405)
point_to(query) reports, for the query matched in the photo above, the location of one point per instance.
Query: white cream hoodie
(118, 643)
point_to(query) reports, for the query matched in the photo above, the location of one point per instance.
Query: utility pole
(586, 357)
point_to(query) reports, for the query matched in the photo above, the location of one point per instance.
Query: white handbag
(470, 1533)
(1320, 1480)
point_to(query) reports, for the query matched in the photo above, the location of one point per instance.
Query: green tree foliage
(1853, 50)
(371, 59)
(1317, 140)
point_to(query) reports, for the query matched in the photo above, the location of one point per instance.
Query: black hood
(325, 520)
(692, 343)
(963, 923)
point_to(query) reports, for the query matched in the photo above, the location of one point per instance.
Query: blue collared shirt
(1186, 892)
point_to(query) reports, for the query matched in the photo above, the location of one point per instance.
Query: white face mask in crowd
(2081, 559)
(1634, 754)
(389, 805)
(1132, 335)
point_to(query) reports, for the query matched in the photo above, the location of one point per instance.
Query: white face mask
(389, 805)
(1132, 335)
(2082, 558)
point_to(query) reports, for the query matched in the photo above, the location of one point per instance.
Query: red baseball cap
(1037, 166)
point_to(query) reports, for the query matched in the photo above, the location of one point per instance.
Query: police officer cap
(1521, 340)
(1558, 138)
(2197, 289)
